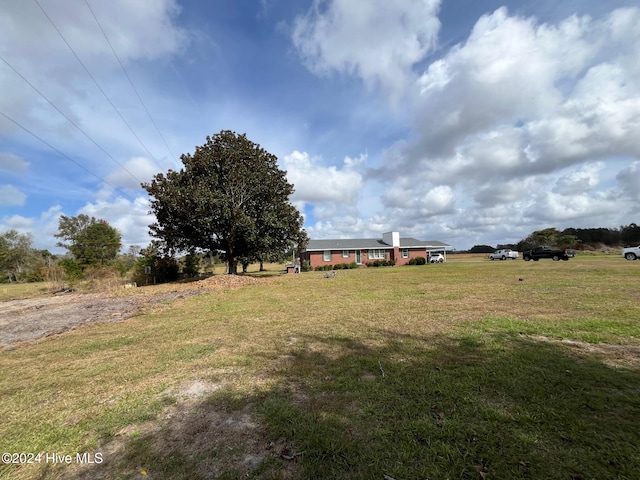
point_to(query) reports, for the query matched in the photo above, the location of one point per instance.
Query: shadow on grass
(443, 407)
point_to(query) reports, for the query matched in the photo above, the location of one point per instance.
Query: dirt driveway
(32, 318)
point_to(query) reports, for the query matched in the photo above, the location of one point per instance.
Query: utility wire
(97, 85)
(124, 70)
(64, 155)
(68, 119)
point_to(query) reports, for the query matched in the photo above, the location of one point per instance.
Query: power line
(68, 119)
(97, 85)
(124, 70)
(64, 155)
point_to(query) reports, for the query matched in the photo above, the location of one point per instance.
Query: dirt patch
(33, 318)
(197, 434)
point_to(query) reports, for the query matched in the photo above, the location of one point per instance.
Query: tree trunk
(261, 265)
(233, 266)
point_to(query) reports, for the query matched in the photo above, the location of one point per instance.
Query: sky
(468, 122)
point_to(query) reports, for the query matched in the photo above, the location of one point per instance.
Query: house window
(377, 254)
(345, 253)
(405, 253)
(326, 255)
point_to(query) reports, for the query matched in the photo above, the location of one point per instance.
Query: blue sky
(461, 121)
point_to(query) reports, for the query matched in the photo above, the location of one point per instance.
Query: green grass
(459, 370)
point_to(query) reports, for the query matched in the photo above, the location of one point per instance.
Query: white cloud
(42, 228)
(554, 208)
(419, 203)
(507, 71)
(629, 179)
(580, 181)
(10, 195)
(317, 183)
(12, 163)
(130, 218)
(522, 123)
(17, 222)
(136, 30)
(378, 41)
(133, 172)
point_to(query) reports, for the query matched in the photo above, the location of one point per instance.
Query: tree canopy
(15, 254)
(91, 242)
(230, 197)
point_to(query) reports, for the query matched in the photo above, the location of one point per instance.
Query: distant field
(467, 369)
(21, 290)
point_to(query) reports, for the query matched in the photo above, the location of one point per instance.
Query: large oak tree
(230, 197)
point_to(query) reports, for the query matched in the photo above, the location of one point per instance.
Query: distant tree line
(578, 238)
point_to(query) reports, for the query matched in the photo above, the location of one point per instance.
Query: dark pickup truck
(548, 252)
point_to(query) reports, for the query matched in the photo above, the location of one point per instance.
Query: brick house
(362, 250)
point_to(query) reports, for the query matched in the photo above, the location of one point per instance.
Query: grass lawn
(468, 369)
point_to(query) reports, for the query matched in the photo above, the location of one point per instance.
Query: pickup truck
(503, 254)
(547, 252)
(631, 253)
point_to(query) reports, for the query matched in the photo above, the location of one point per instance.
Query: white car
(631, 253)
(436, 258)
(504, 254)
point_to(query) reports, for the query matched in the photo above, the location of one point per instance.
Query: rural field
(470, 369)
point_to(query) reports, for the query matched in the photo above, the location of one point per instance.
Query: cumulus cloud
(507, 71)
(133, 172)
(378, 41)
(315, 182)
(136, 30)
(17, 222)
(10, 195)
(525, 117)
(12, 163)
(629, 179)
(557, 209)
(580, 181)
(46, 226)
(130, 217)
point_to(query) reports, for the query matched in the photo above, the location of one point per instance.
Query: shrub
(381, 263)
(306, 266)
(72, 270)
(345, 266)
(321, 268)
(417, 261)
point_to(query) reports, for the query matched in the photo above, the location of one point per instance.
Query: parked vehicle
(503, 254)
(548, 252)
(436, 258)
(631, 253)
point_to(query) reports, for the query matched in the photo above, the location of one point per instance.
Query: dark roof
(368, 243)
(346, 244)
(409, 242)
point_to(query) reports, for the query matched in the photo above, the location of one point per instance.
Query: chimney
(393, 239)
